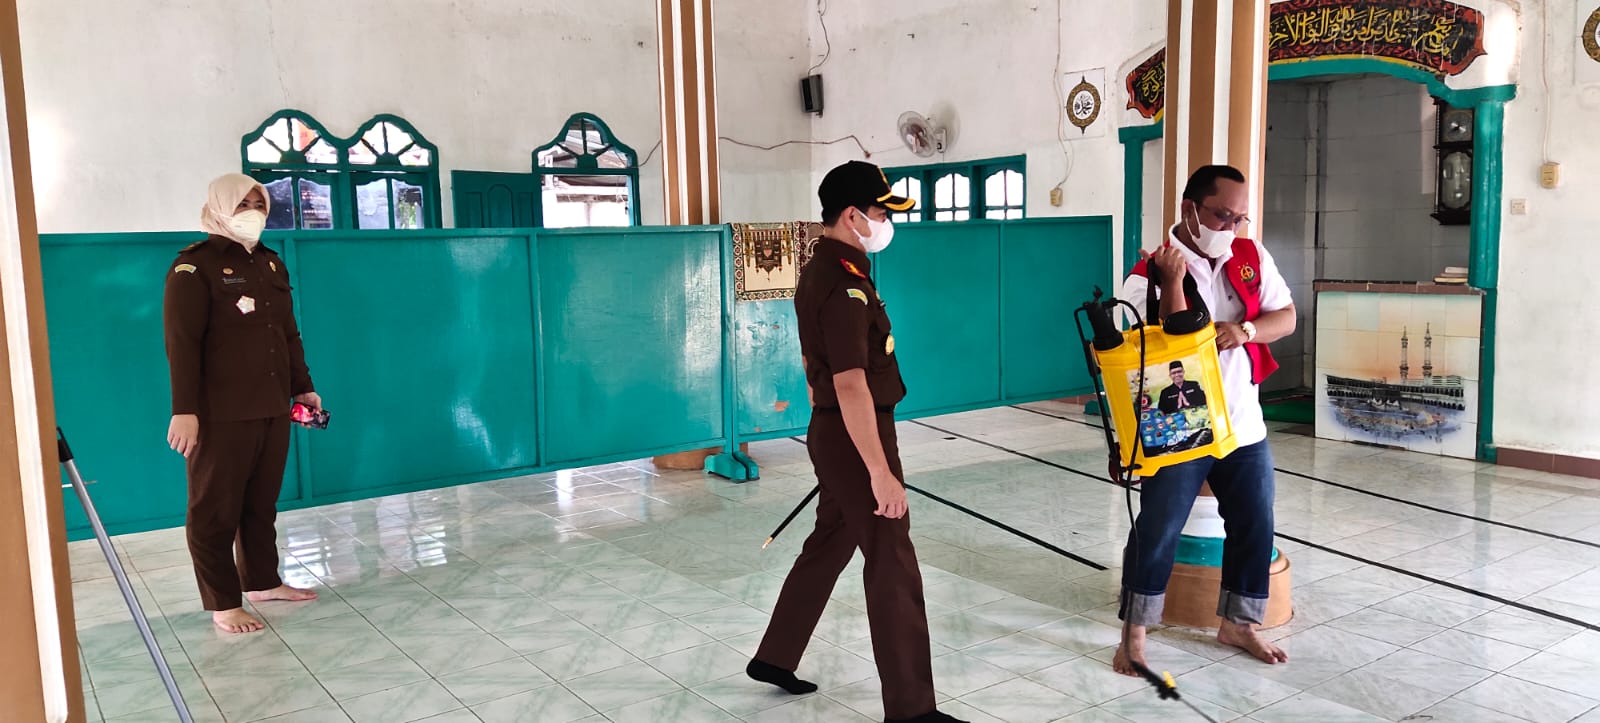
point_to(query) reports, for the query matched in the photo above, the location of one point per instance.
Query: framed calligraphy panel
(1437, 36)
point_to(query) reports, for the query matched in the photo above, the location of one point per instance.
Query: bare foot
(282, 592)
(235, 621)
(1245, 638)
(1129, 652)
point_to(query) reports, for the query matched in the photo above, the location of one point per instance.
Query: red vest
(1244, 273)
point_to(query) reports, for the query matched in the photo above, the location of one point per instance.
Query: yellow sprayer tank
(1182, 414)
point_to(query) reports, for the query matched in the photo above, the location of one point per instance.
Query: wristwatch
(1249, 331)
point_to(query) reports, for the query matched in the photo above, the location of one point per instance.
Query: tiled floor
(624, 595)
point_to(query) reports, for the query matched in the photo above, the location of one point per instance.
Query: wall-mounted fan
(921, 135)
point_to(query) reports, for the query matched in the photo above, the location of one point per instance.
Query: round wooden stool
(1197, 575)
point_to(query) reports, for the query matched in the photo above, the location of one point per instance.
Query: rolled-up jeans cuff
(1141, 609)
(1240, 609)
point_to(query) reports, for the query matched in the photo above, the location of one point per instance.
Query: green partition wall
(451, 356)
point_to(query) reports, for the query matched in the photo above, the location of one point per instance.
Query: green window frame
(994, 189)
(386, 176)
(586, 164)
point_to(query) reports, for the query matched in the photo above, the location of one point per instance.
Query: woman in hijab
(236, 361)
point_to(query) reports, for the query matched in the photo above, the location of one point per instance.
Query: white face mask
(247, 226)
(879, 234)
(1212, 243)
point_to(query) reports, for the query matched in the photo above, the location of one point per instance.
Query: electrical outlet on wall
(1055, 196)
(1550, 175)
(1519, 206)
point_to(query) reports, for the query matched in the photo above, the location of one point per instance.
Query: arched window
(386, 176)
(396, 176)
(586, 177)
(299, 162)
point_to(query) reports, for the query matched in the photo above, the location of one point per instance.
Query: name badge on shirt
(246, 304)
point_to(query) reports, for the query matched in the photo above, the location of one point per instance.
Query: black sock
(768, 673)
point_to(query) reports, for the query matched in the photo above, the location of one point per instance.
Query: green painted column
(1483, 266)
(1133, 139)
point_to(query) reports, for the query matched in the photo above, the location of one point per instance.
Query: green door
(485, 199)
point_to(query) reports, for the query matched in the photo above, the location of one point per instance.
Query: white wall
(986, 65)
(1548, 338)
(135, 107)
(760, 58)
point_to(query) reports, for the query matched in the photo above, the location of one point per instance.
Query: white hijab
(223, 198)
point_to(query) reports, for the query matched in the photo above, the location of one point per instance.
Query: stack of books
(1454, 275)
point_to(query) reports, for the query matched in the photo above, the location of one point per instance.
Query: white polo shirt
(1244, 399)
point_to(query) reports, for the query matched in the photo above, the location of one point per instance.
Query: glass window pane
(574, 201)
(278, 134)
(416, 156)
(280, 206)
(316, 204)
(994, 190)
(374, 138)
(613, 158)
(322, 152)
(963, 215)
(557, 157)
(943, 216)
(398, 139)
(304, 135)
(944, 192)
(262, 151)
(910, 188)
(362, 154)
(1014, 213)
(372, 204)
(995, 214)
(407, 205)
(1002, 190)
(952, 190)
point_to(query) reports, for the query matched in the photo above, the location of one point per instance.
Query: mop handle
(128, 595)
(792, 514)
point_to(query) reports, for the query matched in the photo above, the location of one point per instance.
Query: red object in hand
(307, 417)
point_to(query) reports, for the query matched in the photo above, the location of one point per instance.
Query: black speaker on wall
(811, 94)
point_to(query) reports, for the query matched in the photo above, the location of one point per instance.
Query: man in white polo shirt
(1251, 306)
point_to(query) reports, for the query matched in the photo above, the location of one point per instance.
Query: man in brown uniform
(236, 360)
(854, 379)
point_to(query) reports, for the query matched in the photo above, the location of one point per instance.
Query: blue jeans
(1243, 484)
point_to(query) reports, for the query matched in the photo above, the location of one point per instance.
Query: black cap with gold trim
(859, 183)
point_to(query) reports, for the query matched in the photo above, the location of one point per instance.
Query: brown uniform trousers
(235, 477)
(843, 325)
(235, 358)
(896, 612)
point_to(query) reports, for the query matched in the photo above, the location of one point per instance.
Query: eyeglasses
(1227, 218)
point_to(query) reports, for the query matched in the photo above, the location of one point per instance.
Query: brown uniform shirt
(843, 326)
(233, 346)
